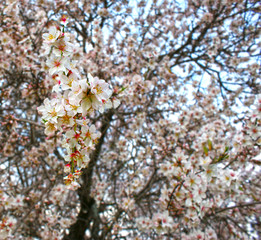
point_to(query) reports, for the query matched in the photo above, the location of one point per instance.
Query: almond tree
(130, 119)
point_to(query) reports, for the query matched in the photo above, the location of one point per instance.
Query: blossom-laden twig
(75, 98)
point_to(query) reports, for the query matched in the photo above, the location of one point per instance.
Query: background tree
(177, 159)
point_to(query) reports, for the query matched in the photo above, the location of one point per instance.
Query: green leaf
(210, 146)
(72, 166)
(226, 149)
(205, 150)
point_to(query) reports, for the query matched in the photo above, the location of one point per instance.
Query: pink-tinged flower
(57, 64)
(61, 47)
(72, 187)
(67, 81)
(162, 222)
(76, 90)
(77, 156)
(46, 49)
(205, 161)
(64, 20)
(66, 120)
(227, 177)
(72, 109)
(191, 214)
(72, 67)
(90, 135)
(84, 159)
(5, 39)
(74, 137)
(72, 105)
(99, 88)
(144, 223)
(128, 204)
(50, 128)
(67, 168)
(83, 122)
(86, 105)
(89, 103)
(69, 179)
(89, 100)
(192, 181)
(254, 131)
(52, 36)
(7, 224)
(189, 200)
(51, 110)
(95, 95)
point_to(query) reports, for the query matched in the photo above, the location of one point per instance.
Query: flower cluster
(160, 222)
(74, 99)
(7, 224)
